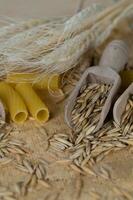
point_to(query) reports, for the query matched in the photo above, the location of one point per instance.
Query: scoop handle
(115, 55)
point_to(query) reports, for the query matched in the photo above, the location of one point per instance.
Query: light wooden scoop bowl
(120, 104)
(2, 112)
(113, 60)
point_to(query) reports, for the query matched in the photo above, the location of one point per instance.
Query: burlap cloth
(65, 183)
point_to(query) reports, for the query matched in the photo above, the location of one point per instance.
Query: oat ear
(121, 103)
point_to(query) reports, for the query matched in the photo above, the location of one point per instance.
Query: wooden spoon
(120, 104)
(2, 112)
(113, 60)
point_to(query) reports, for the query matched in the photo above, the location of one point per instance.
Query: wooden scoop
(114, 58)
(2, 112)
(120, 104)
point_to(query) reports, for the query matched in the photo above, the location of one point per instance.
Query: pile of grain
(10, 146)
(87, 148)
(88, 108)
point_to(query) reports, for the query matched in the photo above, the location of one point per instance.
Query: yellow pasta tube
(35, 105)
(51, 82)
(13, 102)
(21, 77)
(127, 78)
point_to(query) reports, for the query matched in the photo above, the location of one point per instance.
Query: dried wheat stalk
(64, 42)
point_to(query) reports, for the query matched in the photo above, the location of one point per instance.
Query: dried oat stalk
(57, 47)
